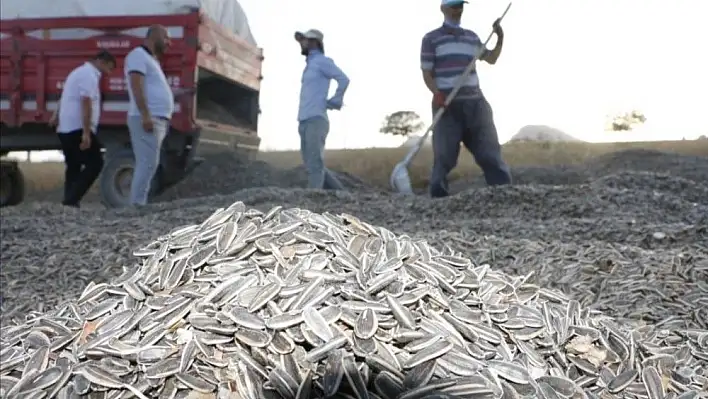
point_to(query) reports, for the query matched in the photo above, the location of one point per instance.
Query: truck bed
(227, 13)
(37, 54)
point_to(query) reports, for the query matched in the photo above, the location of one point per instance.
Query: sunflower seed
(293, 304)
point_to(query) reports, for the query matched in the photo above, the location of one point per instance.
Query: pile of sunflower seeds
(293, 304)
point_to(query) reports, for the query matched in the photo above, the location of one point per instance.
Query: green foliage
(401, 123)
(627, 121)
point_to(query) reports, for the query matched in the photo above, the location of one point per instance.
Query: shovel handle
(469, 68)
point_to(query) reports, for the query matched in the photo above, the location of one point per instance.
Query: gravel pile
(227, 173)
(635, 160)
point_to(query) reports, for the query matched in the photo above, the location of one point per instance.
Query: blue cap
(453, 2)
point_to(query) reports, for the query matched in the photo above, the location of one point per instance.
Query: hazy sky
(566, 64)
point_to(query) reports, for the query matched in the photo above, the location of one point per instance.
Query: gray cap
(310, 34)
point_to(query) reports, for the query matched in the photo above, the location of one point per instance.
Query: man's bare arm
(86, 114)
(427, 63)
(137, 86)
(491, 56)
(429, 80)
(54, 119)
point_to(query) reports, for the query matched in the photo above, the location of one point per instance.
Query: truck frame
(223, 113)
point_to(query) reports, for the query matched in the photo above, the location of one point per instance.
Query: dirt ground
(374, 165)
(619, 228)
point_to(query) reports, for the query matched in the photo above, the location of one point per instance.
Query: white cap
(310, 34)
(453, 2)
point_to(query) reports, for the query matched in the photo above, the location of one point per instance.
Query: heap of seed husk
(295, 304)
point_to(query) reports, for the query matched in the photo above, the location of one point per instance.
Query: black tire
(116, 177)
(12, 191)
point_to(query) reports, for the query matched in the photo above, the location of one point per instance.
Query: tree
(401, 123)
(627, 121)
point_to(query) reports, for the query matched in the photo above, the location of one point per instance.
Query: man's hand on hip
(334, 103)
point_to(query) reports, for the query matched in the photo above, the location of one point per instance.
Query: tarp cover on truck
(228, 13)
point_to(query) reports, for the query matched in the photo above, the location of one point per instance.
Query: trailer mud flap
(12, 184)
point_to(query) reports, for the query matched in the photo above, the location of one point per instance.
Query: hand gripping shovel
(400, 181)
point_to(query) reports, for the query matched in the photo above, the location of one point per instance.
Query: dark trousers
(470, 123)
(82, 166)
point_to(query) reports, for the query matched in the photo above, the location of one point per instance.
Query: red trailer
(36, 55)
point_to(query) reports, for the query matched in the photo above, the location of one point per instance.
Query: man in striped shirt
(445, 53)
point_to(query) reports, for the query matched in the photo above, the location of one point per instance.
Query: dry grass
(375, 165)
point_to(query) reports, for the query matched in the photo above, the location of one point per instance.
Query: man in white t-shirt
(150, 111)
(77, 116)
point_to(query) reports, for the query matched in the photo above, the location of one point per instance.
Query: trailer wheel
(117, 176)
(12, 185)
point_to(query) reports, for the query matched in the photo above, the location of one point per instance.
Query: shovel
(400, 181)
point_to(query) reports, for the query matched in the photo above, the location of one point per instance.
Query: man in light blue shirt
(314, 104)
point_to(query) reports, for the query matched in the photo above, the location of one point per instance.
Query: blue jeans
(146, 149)
(470, 123)
(313, 134)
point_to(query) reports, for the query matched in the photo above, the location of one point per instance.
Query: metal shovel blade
(400, 181)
